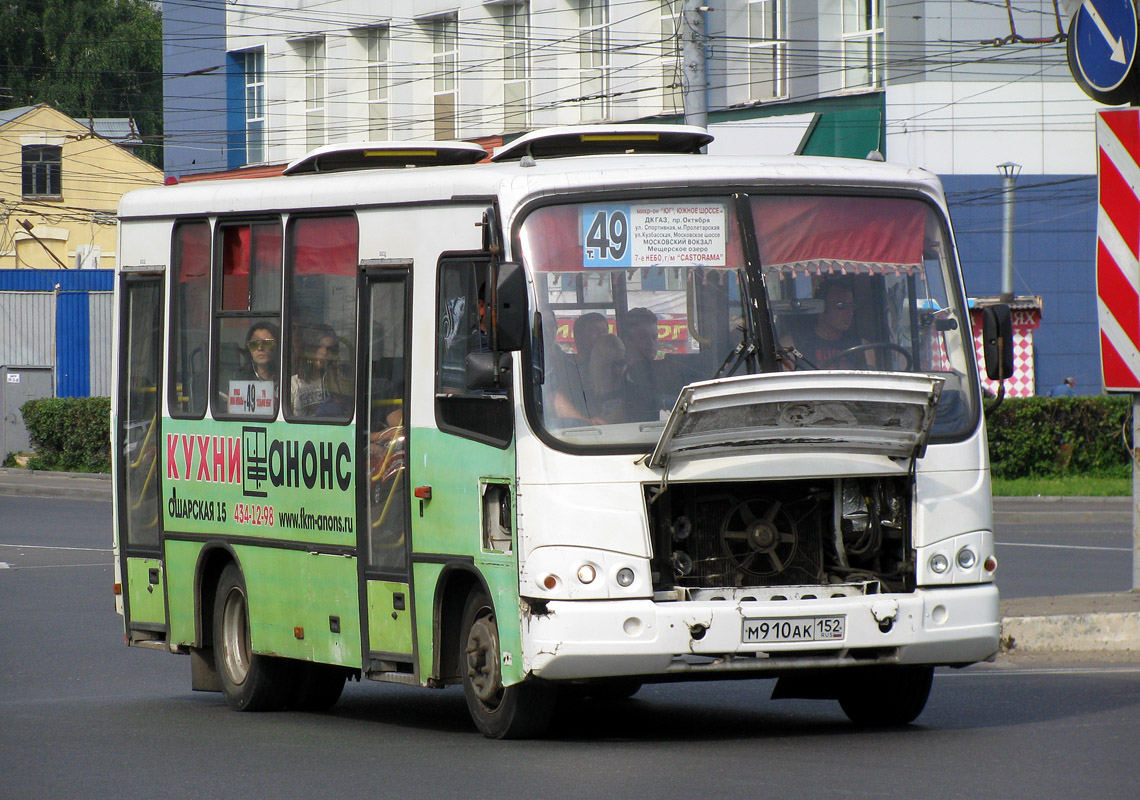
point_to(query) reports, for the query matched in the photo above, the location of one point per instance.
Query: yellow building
(60, 185)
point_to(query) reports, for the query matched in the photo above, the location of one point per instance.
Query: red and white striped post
(1118, 274)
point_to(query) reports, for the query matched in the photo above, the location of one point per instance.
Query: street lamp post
(1009, 172)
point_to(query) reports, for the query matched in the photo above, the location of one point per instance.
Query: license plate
(795, 629)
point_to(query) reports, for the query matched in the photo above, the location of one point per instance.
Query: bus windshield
(640, 298)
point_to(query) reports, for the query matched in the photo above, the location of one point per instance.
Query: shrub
(1053, 437)
(69, 433)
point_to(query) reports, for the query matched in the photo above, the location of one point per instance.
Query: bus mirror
(510, 307)
(997, 341)
(488, 371)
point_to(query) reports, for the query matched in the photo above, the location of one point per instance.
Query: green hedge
(1043, 437)
(69, 433)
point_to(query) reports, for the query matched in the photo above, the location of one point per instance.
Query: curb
(69, 485)
(1117, 632)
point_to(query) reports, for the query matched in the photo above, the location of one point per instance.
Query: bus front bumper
(594, 639)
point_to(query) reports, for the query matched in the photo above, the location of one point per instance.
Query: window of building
(445, 67)
(42, 170)
(253, 65)
(248, 319)
(190, 319)
(377, 47)
(862, 43)
(594, 58)
(672, 99)
(321, 264)
(313, 56)
(767, 54)
(515, 20)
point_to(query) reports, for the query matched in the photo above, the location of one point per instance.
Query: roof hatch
(386, 155)
(581, 140)
(879, 413)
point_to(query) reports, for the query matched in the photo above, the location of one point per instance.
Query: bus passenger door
(385, 532)
(137, 459)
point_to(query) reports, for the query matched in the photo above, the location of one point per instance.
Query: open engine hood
(882, 413)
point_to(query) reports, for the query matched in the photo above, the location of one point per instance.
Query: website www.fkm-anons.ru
(304, 521)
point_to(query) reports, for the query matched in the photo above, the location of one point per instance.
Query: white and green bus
(604, 411)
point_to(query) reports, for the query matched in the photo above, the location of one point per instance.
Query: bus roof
(515, 182)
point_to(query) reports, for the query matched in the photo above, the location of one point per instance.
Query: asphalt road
(83, 716)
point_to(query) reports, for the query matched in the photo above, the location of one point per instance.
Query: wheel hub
(483, 660)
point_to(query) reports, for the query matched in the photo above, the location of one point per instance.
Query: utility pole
(693, 58)
(1009, 172)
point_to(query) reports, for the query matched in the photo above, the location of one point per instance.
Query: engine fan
(759, 537)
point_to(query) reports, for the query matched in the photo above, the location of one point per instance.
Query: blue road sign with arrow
(1102, 46)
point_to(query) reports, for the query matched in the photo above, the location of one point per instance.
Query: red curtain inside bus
(325, 246)
(247, 249)
(192, 251)
(859, 234)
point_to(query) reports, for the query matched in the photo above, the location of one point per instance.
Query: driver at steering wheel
(832, 334)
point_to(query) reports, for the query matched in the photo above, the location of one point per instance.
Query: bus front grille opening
(829, 532)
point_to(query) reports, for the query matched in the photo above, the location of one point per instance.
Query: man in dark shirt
(832, 331)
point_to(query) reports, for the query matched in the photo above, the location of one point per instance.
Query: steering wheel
(861, 348)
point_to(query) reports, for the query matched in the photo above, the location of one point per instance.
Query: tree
(87, 58)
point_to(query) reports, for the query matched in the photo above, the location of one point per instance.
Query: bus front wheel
(519, 711)
(250, 682)
(885, 696)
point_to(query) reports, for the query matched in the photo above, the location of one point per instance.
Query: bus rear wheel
(520, 711)
(250, 682)
(879, 697)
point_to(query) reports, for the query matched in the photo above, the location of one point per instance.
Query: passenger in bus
(237, 393)
(567, 374)
(261, 343)
(588, 328)
(832, 332)
(317, 344)
(607, 386)
(638, 333)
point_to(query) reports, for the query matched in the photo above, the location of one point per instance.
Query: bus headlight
(587, 573)
(939, 563)
(625, 577)
(966, 558)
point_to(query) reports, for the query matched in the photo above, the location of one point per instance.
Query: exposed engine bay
(818, 532)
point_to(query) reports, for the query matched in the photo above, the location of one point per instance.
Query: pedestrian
(1066, 388)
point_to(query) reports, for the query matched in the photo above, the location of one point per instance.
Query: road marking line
(1065, 546)
(1022, 671)
(48, 547)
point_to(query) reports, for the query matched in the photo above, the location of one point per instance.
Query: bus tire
(521, 711)
(316, 687)
(250, 682)
(879, 697)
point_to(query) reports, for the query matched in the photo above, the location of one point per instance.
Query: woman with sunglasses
(261, 342)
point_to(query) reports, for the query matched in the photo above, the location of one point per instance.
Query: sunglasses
(261, 344)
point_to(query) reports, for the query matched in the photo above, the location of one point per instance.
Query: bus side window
(321, 365)
(247, 365)
(190, 319)
(483, 416)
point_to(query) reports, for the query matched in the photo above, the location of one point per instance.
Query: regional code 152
(795, 629)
